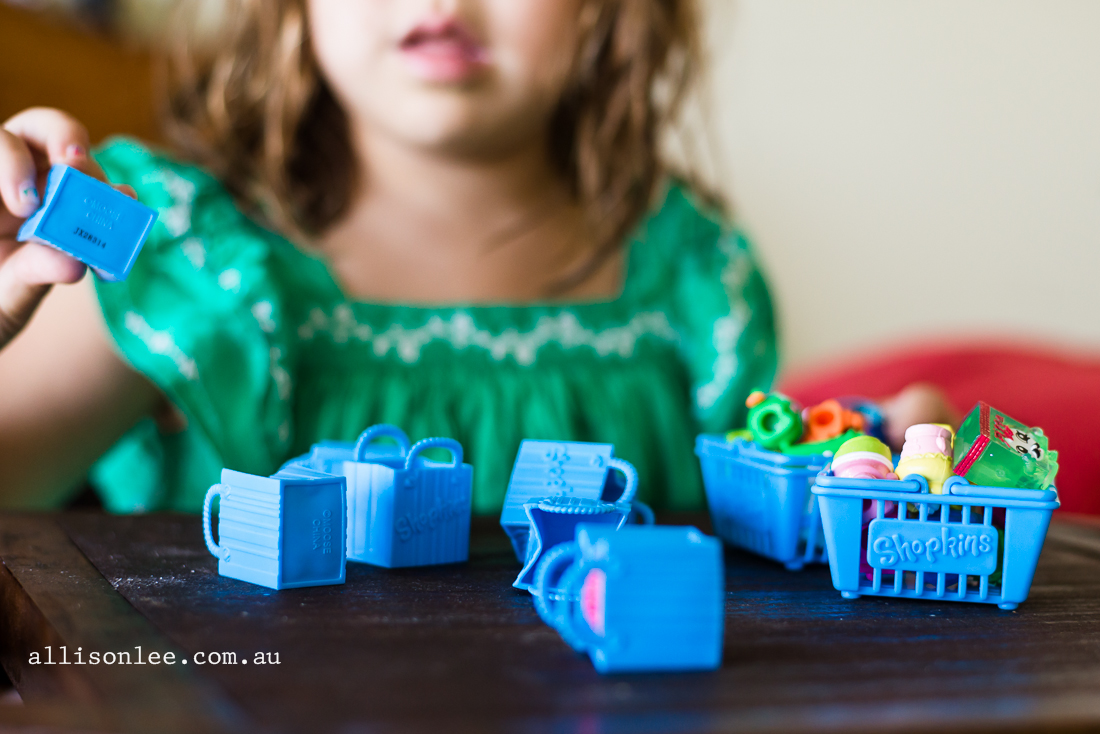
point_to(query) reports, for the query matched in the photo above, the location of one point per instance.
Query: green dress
(255, 342)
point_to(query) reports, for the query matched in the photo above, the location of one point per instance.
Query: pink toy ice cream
(864, 457)
(928, 452)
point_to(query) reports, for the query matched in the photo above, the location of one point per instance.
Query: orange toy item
(828, 420)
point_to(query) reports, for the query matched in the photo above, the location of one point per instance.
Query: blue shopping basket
(971, 543)
(760, 500)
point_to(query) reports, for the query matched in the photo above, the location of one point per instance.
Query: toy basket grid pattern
(935, 540)
(760, 500)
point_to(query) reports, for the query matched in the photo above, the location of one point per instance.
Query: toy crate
(760, 500)
(971, 543)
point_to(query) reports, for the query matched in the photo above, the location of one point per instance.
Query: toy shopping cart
(760, 500)
(971, 543)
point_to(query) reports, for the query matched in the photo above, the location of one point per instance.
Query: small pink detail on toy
(593, 599)
(865, 465)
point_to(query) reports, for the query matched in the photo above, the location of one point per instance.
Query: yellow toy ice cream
(928, 451)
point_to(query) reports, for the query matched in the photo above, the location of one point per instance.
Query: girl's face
(473, 78)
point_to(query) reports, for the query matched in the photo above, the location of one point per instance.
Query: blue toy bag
(648, 598)
(760, 500)
(329, 456)
(282, 532)
(971, 543)
(404, 510)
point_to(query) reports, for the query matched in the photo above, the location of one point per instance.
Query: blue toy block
(760, 500)
(91, 221)
(971, 543)
(638, 599)
(566, 469)
(404, 510)
(282, 532)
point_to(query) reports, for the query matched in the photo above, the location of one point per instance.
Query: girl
(449, 215)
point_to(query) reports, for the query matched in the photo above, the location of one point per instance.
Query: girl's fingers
(18, 177)
(25, 277)
(57, 134)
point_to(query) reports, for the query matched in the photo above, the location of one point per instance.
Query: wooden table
(457, 649)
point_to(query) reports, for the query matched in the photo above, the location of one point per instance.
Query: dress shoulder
(706, 271)
(202, 315)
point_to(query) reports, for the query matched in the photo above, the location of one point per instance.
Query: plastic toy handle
(560, 555)
(435, 443)
(644, 513)
(631, 475)
(382, 430)
(218, 490)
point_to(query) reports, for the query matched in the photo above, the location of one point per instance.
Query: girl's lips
(443, 51)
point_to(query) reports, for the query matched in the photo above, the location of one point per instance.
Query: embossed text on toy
(411, 524)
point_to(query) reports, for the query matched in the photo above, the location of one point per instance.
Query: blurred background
(921, 179)
(911, 170)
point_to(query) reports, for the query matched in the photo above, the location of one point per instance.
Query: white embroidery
(461, 331)
(261, 311)
(161, 342)
(230, 280)
(279, 374)
(727, 330)
(176, 218)
(194, 251)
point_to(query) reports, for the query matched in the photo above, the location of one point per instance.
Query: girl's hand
(916, 403)
(30, 143)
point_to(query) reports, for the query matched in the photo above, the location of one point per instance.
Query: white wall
(917, 167)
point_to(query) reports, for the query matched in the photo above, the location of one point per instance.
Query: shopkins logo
(932, 546)
(442, 512)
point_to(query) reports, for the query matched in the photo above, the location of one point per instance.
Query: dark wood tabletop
(456, 648)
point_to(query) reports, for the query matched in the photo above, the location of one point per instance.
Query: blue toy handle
(435, 443)
(382, 430)
(631, 475)
(560, 613)
(218, 490)
(644, 513)
(560, 555)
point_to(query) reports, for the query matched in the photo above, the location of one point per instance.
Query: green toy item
(775, 425)
(821, 447)
(993, 450)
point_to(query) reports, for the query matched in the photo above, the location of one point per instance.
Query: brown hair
(252, 105)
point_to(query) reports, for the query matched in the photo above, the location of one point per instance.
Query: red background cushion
(1058, 392)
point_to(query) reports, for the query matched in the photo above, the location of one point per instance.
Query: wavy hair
(250, 104)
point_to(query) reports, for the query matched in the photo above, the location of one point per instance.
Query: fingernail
(75, 151)
(28, 192)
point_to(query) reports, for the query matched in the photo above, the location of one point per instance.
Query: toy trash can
(971, 543)
(566, 469)
(282, 532)
(404, 510)
(760, 500)
(646, 598)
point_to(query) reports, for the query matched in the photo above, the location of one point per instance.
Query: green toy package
(993, 450)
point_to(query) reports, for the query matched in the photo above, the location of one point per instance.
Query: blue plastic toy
(404, 510)
(971, 543)
(637, 599)
(760, 500)
(282, 532)
(566, 469)
(329, 456)
(554, 520)
(91, 221)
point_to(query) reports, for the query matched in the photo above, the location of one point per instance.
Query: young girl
(446, 215)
